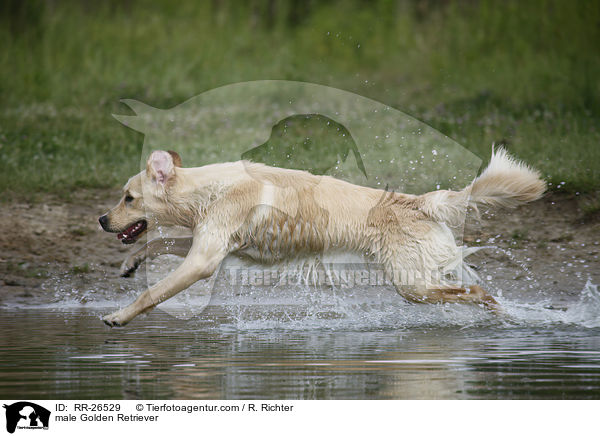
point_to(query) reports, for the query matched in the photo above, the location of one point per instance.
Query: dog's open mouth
(130, 235)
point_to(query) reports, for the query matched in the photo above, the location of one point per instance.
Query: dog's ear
(161, 166)
(176, 158)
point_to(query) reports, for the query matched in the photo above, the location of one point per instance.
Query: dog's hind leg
(154, 248)
(419, 283)
(451, 294)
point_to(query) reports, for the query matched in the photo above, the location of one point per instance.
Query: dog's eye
(128, 199)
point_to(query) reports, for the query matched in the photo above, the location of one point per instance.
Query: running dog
(273, 214)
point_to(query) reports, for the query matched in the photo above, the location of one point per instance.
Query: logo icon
(299, 126)
(26, 415)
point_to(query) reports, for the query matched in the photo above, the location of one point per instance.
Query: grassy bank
(526, 74)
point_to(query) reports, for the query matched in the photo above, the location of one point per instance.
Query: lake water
(307, 348)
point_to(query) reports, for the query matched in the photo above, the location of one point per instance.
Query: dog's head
(144, 205)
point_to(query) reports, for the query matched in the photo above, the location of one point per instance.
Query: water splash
(301, 306)
(586, 311)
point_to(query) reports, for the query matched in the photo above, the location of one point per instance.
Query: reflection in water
(68, 355)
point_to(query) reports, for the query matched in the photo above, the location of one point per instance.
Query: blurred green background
(525, 74)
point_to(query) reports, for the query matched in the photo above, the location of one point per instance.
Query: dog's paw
(115, 319)
(130, 265)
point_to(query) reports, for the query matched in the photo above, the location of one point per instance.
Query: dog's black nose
(103, 220)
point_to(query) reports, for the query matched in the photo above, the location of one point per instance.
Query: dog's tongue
(126, 233)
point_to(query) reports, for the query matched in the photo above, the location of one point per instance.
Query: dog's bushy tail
(505, 182)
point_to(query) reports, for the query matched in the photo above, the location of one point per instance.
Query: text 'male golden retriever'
(273, 214)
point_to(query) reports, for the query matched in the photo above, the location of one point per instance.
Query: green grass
(526, 74)
(24, 269)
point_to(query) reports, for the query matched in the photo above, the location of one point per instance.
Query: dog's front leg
(200, 263)
(156, 247)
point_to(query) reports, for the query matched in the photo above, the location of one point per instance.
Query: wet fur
(273, 214)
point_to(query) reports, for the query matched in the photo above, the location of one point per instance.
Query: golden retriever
(273, 214)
